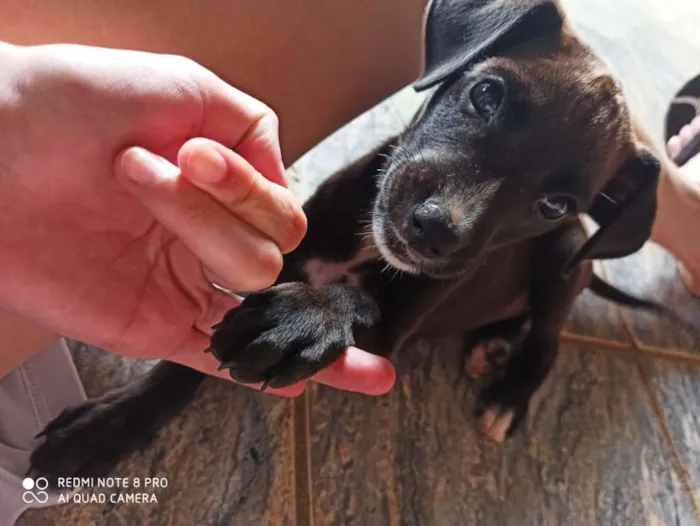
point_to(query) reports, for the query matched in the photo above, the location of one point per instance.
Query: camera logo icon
(35, 490)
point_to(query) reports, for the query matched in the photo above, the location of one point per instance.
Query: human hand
(127, 262)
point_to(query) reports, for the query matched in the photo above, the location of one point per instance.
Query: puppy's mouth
(397, 252)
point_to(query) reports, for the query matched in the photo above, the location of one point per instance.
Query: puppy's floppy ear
(625, 210)
(461, 32)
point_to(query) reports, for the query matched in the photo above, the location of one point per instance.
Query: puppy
(466, 222)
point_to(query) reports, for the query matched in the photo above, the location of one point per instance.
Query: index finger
(265, 206)
(359, 371)
(356, 371)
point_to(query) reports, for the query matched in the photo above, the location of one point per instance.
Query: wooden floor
(612, 438)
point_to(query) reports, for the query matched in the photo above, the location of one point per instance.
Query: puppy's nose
(433, 229)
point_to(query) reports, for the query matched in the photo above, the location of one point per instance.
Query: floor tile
(652, 274)
(591, 451)
(228, 459)
(596, 317)
(677, 387)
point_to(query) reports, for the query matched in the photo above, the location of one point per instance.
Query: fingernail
(206, 165)
(140, 166)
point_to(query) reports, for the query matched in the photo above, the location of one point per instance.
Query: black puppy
(468, 221)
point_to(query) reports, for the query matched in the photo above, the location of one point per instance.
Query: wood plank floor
(612, 438)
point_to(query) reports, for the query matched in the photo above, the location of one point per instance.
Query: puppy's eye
(555, 207)
(486, 97)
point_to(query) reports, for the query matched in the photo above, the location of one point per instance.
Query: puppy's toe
(495, 423)
(476, 365)
(283, 335)
(502, 406)
(486, 356)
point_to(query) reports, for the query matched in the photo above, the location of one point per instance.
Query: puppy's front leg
(504, 403)
(291, 331)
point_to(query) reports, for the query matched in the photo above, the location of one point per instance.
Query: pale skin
(317, 66)
(679, 209)
(119, 246)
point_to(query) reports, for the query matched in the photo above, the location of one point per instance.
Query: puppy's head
(525, 129)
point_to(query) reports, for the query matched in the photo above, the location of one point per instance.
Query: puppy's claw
(225, 365)
(271, 381)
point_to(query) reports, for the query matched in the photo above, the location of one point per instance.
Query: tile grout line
(307, 435)
(671, 354)
(682, 471)
(619, 350)
(680, 467)
(302, 468)
(662, 353)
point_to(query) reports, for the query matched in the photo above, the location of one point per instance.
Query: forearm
(318, 64)
(20, 340)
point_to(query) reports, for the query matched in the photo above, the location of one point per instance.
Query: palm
(133, 285)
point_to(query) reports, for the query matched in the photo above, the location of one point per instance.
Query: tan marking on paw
(494, 423)
(485, 355)
(498, 352)
(476, 363)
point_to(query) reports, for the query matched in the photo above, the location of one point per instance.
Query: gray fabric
(30, 396)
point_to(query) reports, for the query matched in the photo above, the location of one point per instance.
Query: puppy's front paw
(289, 332)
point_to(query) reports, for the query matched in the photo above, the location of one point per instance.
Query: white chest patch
(321, 272)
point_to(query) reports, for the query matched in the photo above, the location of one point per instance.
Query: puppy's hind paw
(501, 408)
(495, 423)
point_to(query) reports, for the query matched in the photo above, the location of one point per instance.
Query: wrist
(20, 339)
